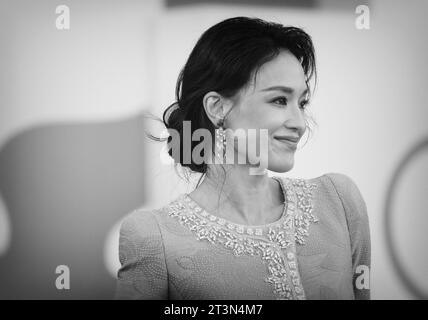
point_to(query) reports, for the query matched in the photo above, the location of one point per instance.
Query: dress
(313, 251)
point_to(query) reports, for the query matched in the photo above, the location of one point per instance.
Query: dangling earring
(220, 141)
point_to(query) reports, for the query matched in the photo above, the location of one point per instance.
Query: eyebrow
(288, 90)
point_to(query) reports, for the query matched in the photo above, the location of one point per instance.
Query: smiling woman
(240, 235)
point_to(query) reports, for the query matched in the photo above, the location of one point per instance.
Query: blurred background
(74, 159)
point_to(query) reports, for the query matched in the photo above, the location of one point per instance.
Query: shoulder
(139, 222)
(346, 188)
(139, 236)
(342, 182)
(349, 194)
(143, 273)
(145, 222)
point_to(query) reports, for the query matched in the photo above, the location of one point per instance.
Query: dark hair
(223, 60)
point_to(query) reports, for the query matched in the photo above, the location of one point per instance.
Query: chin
(281, 165)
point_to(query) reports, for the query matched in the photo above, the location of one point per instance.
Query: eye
(303, 104)
(281, 101)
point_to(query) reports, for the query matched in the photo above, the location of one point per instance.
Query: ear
(216, 107)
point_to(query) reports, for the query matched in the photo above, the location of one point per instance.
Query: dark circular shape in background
(398, 266)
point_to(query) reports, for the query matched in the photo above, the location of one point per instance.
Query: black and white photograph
(211, 150)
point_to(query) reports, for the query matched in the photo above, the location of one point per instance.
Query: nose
(295, 120)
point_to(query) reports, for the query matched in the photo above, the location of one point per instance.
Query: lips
(290, 141)
(289, 138)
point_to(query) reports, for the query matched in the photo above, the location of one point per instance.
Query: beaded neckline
(257, 230)
(276, 246)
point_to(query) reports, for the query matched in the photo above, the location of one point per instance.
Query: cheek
(256, 117)
(258, 140)
(263, 119)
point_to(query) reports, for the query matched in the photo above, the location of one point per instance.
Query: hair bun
(173, 117)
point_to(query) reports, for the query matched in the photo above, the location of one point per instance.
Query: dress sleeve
(359, 232)
(143, 272)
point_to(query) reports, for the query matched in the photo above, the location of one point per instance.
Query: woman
(242, 234)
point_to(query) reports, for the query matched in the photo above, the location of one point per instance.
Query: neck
(238, 196)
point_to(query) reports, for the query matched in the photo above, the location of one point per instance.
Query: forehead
(283, 70)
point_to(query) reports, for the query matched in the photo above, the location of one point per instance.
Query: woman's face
(276, 103)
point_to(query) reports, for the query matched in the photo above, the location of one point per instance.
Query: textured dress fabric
(318, 248)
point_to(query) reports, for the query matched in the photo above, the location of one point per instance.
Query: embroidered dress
(181, 251)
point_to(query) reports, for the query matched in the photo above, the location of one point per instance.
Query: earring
(220, 141)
